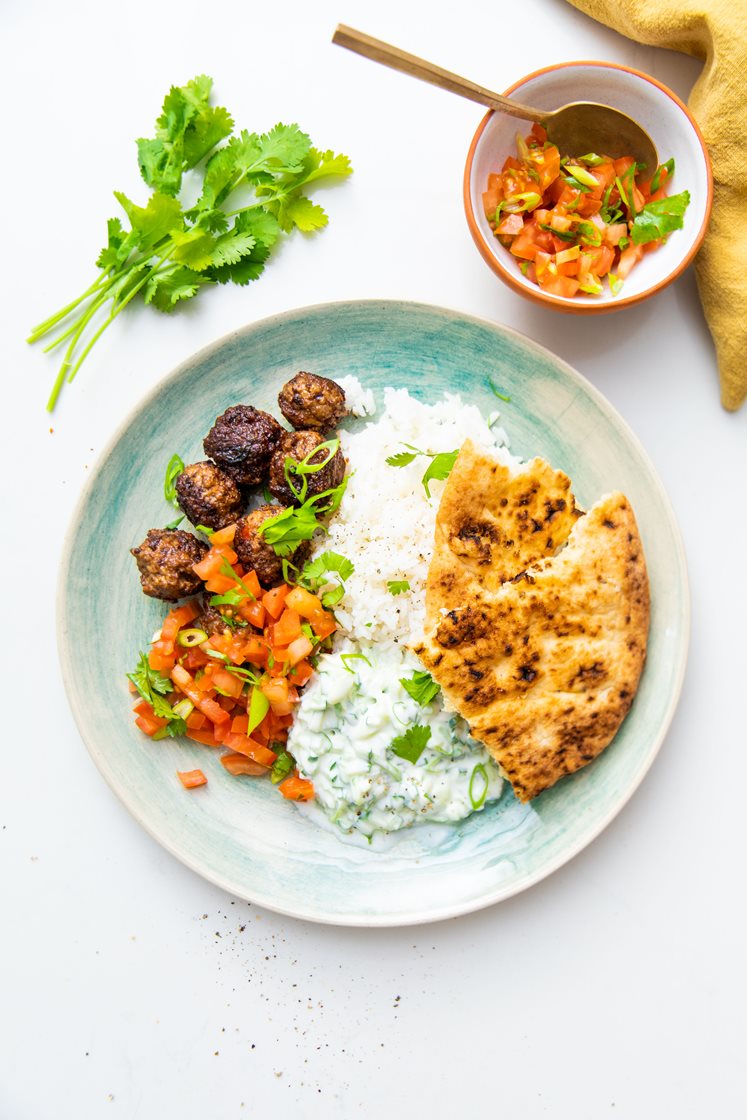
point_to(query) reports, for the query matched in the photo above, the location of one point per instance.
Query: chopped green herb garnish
(153, 687)
(174, 468)
(411, 745)
(615, 283)
(205, 530)
(294, 468)
(171, 248)
(421, 686)
(479, 800)
(563, 234)
(283, 765)
(657, 219)
(656, 180)
(286, 530)
(397, 586)
(440, 466)
(227, 570)
(581, 175)
(259, 706)
(402, 458)
(502, 396)
(346, 657)
(175, 523)
(592, 160)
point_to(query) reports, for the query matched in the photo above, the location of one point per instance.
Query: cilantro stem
(112, 316)
(53, 320)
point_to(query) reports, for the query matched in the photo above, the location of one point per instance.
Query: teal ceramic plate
(237, 832)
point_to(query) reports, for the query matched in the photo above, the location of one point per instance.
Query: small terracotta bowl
(669, 124)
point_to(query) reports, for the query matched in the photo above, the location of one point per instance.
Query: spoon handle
(416, 67)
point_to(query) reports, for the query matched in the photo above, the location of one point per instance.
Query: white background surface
(129, 986)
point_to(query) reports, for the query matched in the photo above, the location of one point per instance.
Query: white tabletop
(130, 986)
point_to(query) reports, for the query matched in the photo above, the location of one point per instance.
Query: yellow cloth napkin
(716, 31)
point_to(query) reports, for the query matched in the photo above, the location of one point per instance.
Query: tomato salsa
(236, 687)
(572, 223)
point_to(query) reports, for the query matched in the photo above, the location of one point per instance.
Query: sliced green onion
(527, 200)
(184, 708)
(478, 802)
(593, 160)
(193, 637)
(259, 706)
(582, 175)
(615, 283)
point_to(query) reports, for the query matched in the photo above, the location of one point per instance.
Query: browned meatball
(209, 619)
(312, 402)
(241, 442)
(297, 445)
(253, 550)
(165, 560)
(208, 495)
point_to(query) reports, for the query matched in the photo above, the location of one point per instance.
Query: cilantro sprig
(319, 573)
(286, 530)
(440, 466)
(397, 586)
(153, 687)
(165, 252)
(657, 219)
(421, 687)
(411, 745)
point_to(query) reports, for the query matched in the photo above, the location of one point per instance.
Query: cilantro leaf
(314, 571)
(153, 687)
(397, 586)
(411, 745)
(286, 530)
(154, 221)
(440, 468)
(401, 459)
(421, 686)
(165, 289)
(658, 219)
(301, 212)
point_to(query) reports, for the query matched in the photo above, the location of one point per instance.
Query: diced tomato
(242, 744)
(274, 600)
(228, 683)
(224, 535)
(220, 584)
(304, 603)
(195, 720)
(191, 779)
(149, 724)
(161, 662)
(256, 651)
(237, 764)
(253, 612)
(324, 625)
(297, 789)
(628, 258)
(621, 165)
(301, 673)
(299, 649)
(186, 684)
(287, 628)
(281, 694)
(203, 735)
(557, 285)
(510, 225)
(212, 561)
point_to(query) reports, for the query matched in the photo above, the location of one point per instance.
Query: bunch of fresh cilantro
(253, 190)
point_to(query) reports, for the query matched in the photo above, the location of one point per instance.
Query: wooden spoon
(576, 129)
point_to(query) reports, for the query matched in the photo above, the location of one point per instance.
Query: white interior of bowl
(666, 123)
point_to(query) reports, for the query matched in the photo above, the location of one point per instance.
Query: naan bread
(544, 668)
(492, 523)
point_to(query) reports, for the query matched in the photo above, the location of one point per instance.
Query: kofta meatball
(299, 445)
(208, 495)
(241, 442)
(253, 550)
(209, 619)
(311, 402)
(165, 560)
